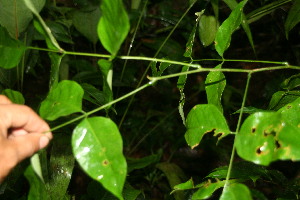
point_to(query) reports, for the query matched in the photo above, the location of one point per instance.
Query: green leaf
(189, 45)
(207, 190)
(61, 166)
(86, 23)
(293, 18)
(36, 166)
(142, 162)
(208, 26)
(248, 110)
(15, 16)
(62, 100)
(290, 113)
(281, 98)
(92, 94)
(14, 96)
(113, 26)
(97, 146)
(291, 82)
(37, 187)
(107, 73)
(203, 119)
(223, 36)
(174, 174)
(268, 136)
(42, 27)
(11, 51)
(236, 191)
(184, 186)
(241, 170)
(214, 85)
(55, 65)
(245, 23)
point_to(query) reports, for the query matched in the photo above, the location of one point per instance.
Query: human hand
(21, 134)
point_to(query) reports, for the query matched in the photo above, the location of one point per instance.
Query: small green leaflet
(236, 191)
(293, 18)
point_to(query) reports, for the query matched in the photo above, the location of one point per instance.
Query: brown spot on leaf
(277, 144)
(258, 151)
(289, 106)
(253, 130)
(105, 162)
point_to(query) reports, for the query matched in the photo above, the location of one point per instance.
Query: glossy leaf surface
(15, 16)
(214, 85)
(184, 186)
(14, 96)
(236, 191)
(113, 26)
(97, 146)
(208, 26)
(281, 98)
(223, 36)
(293, 18)
(11, 51)
(203, 119)
(63, 100)
(270, 136)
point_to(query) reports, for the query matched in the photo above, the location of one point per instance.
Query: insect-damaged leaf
(268, 136)
(203, 119)
(63, 100)
(97, 146)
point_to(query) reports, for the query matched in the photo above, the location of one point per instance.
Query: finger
(4, 100)
(17, 149)
(19, 116)
(26, 145)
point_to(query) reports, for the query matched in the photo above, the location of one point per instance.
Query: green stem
(102, 107)
(223, 70)
(156, 54)
(237, 130)
(250, 61)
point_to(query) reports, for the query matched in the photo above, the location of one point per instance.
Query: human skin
(22, 133)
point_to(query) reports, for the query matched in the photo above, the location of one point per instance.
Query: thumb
(26, 145)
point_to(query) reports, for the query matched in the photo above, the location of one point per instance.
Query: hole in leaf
(267, 133)
(258, 151)
(253, 130)
(278, 145)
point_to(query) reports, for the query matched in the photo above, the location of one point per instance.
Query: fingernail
(44, 141)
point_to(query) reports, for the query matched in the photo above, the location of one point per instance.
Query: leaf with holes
(97, 146)
(62, 100)
(113, 26)
(202, 119)
(268, 136)
(223, 36)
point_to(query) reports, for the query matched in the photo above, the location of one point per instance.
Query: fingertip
(44, 141)
(4, 100)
